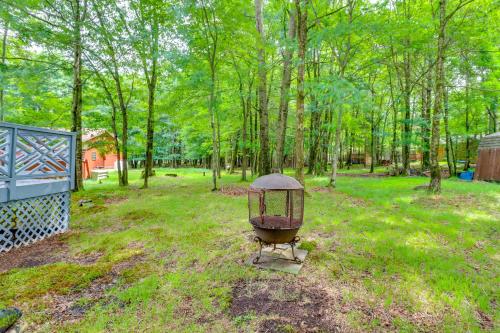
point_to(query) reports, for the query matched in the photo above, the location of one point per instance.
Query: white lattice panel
(23, 222)
(40, 153)
(4, 152)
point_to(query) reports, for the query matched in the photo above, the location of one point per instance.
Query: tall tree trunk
(219, 162)
(256, 164)
(245, 107)
(394, 153)
(343, 62)
(372, 142)
(449, 146)
(234, 152)
(467, 122)
(76, 108)
(326, 137)
(265, 162)
(215, 154)
(251, 153)
(284, 94)
(406, 135)
(116, 141)
(148, 166)
(435, 183)
(151, 78)
(426, 119)
(2, 70)
(301, 10)
(333, 177)
(315, 127)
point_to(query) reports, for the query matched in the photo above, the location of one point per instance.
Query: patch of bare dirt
(436, 201)
(426, 322)
(115, 199)
(484, 320)
(297, 306)
(48, 251)
(139, 215)
(300, 305)
(321, 189)
(275, 326)
(233, 191)
(73, 306)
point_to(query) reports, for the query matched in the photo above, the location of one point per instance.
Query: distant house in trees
(98, 152)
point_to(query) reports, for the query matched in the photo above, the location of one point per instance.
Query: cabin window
(94, 156)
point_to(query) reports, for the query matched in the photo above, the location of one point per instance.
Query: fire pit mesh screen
(254, 204)
(297, 201)
(276, 209)
(276, 203)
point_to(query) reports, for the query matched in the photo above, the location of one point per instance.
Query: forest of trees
(258, 85)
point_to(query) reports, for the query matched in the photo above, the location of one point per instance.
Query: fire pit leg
(294, 242)
(257, 239)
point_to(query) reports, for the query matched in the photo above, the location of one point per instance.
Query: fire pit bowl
(276, 210)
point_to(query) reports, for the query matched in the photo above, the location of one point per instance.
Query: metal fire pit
(276, 211)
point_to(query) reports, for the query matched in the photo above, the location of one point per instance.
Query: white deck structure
(36, 177)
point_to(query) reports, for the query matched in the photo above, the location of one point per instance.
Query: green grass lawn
(383, 257)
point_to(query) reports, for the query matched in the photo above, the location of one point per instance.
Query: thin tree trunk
(301, 10)
(426, 115)
(217, 119)
(76, 108)
(394, 154)
(148, 167)
(151, 79)
(4, 55)
(372, 142)
(333, 178)
(435, 183)
(215, 155)
(284, 95)
(234, 153)
(250, 121)
(467, 122)
(449, 147)
(406, 135)
(265, 162)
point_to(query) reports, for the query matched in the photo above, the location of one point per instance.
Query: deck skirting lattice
(26, 221)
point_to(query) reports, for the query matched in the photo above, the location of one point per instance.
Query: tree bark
(426, 119)
(333, 178)
(435, 183)
(265, 162)
(284, 94)
(301, 10)
(467, 122)
(372, 142)
(234, 152)
(3, 70)
(151, 78)
(212, 34)
(450, 160)
(123, 105)
(394, 153)
(76, 107)
(315, 127)
(406, 134)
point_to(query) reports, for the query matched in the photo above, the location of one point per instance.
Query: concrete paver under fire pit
(279, 259)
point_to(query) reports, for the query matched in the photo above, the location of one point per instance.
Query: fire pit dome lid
(276, 181)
